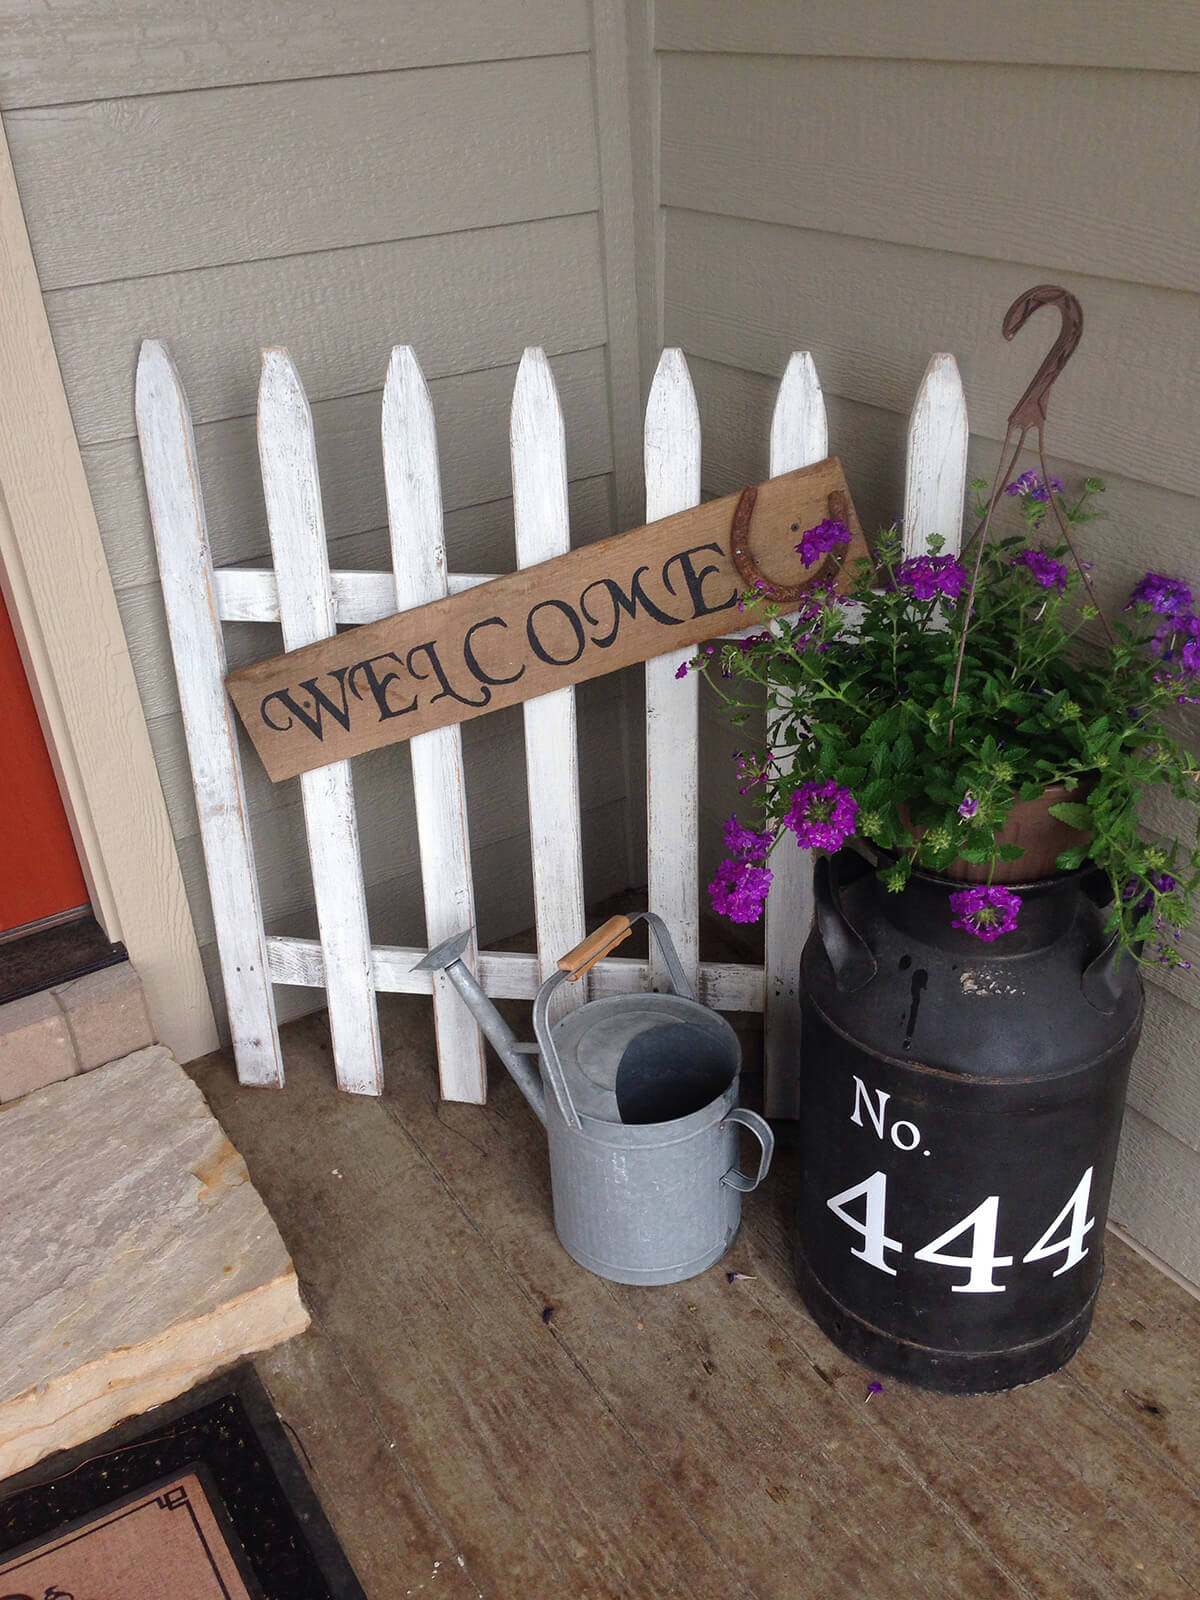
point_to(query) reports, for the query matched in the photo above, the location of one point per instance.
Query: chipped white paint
(935, 478)
(310, 601)
(198, 647)
(672, 465)
(539, 470)
(511, 975)
(414, 497)
(251, 594)
(799, 436)
(296, 523)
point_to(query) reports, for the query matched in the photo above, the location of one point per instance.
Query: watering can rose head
(941, 691)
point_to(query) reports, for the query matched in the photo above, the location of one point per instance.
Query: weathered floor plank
(698, 1439)
(1141, 1362)
(523, 1462)
(360, 1477)
(763, 1454)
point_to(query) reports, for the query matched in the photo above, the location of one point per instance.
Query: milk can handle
(762, 1132)
(852, 962)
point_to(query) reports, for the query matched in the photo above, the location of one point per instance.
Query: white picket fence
(308, 600)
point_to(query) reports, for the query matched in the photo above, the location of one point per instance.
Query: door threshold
(55, 954)
(27, 929)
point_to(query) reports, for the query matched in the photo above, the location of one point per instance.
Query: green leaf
(1073, 813)
(876, 794)
(939, 860)
(1069, 860)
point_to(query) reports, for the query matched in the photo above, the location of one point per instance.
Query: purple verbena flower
(817, 598)
(818, 541)
(1163, 882)
(1177, 643)
(968, 806)
(739, 889)
(927, 576)
(752, 769)
(1029, 483)
(752, 642)
(821, 815)
(1167, 596)
(681, 671)
(1051, 574)
(987, 911)
(745, 843)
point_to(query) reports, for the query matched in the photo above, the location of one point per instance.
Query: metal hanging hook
(1030, 409)
(1029, 416)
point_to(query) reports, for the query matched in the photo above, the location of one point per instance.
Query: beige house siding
(454, 177)
(601, 177)
(876, 183)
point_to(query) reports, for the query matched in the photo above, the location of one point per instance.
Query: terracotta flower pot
(1042, 837)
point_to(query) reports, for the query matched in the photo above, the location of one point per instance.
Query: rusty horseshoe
(747, 565)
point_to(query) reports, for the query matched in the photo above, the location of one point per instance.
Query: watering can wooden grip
(588, 951)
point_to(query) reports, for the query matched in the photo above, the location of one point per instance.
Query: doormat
(47, 957)
(210, 1503)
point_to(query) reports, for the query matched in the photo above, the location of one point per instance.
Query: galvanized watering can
(641, 1114)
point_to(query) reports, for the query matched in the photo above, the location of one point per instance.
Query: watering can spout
(447, 958)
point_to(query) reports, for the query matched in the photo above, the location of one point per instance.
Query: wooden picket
(799, 436)
(540, 518)
(310, 601)
(193, 609)
(936, 468)
(672, 468)
(414, 498)
(296, 525)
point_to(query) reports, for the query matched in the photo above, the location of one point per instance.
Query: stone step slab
(136, 1257)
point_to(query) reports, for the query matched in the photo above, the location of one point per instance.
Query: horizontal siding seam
(935, 250)
(1058, 456)
(1179, 995)
(288, 808)
(32, 109)
(490, 844)
(1009, 65)
(353, 394)
(1189, 1151)
(326, 250)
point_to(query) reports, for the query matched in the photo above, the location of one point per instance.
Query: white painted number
(907, 1140)
(1081, 1225)
(981, 1224)
(982, 1260)
(875, 1241)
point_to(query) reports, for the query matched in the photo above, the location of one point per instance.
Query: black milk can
(961, 1105)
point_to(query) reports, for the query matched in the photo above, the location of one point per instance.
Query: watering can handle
(588, 951)
(762, 1132)
(607, 937)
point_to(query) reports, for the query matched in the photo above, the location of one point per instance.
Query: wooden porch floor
(484, 1418)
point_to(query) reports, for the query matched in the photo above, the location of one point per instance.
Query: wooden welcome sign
(628, 598)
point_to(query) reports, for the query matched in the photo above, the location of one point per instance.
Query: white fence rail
(309, 601)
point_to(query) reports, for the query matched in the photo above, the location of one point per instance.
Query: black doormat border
(51, 956)
(228, 1424)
